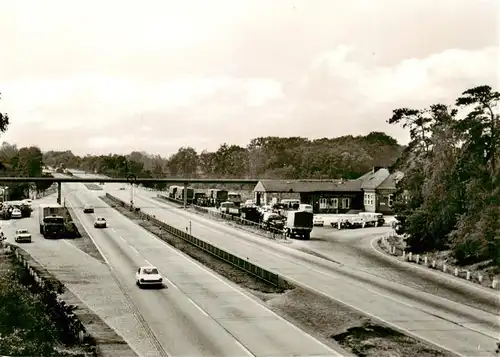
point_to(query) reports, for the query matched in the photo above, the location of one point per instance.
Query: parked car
(16, 213)
(100, 222)
(22, 236)
(88, 209)
(318, 221)
(148, 276)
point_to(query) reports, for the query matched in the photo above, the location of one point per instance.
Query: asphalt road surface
(465, 330)
(199, 313)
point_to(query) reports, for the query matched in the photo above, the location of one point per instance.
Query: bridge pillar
(59, 192)
(185, 194)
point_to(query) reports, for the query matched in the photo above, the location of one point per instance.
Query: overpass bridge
(131, 179)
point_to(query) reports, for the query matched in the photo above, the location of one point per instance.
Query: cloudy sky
(115, 76)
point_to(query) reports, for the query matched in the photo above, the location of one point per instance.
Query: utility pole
(185, 194)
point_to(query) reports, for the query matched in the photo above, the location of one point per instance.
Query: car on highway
(148, 276)
(22, 235)
(122, 188)
(100, 222)
(88, 209)
(16, 213)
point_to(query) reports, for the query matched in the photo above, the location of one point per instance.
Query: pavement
(462, 329)
(198, 313)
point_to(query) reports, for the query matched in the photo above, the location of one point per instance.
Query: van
(305, 207)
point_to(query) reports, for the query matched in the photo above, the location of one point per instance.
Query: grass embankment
(28, 326)
(329, 321)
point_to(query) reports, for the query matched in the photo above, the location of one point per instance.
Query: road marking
(430, 271)
(135, 250)
(247, 351)
(113, 230)
(197, 306)
(88, 233)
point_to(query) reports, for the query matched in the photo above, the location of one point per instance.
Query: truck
(200, 198)
(172, 191)
(235, 198)
(216, 197)
(179, 195)
(51, 219)
(299, 224)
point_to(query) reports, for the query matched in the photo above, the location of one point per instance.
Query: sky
(119, 76)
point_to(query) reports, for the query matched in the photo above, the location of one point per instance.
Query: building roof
(374, 178)
(304, 186)
(390, 182)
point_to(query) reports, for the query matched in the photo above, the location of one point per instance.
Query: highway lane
(200, 314)
(462, 329)
(355, 248)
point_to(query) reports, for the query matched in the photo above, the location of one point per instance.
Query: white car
(100, 222)
(148, 276)
(22, 236)
(16, 213)
(318, 221)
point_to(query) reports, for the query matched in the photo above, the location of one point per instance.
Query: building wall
(385, 201)
(333, 202)
(267, 197)
(370, 201)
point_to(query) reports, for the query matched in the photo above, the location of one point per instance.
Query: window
(323, 203)
(369, 199)
(335, 203)
(390, 200)
(345, 203)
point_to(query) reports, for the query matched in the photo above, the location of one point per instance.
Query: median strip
(328, 320)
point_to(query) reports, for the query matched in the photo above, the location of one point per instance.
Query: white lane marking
(135, 250)
(349, 305)
(430, 271)
(119, 236)
(88, 233)
(113, 230)
(197, 306)
(247, 351)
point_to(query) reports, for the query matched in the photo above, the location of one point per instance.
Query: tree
(4, 120)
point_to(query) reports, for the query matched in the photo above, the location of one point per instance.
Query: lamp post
(131, 179)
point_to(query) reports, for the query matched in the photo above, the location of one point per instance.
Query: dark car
(88, 209)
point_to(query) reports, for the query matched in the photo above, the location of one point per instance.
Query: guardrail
(232, 259)
(242, 223)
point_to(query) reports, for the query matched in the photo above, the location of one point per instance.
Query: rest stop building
(372, 192)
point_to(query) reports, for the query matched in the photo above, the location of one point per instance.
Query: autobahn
(463, 329)
(199, 314)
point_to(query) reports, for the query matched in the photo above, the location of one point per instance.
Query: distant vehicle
(235, 198)
(305, 208)
(179, 194)
(122, 188)
(88, 209)
(16, 213)
(251, 213)
(101, 183)
(216, 197)
(299, 224)
(229, 208)
(100, 222)
(28, 201)
(318, 221)
(373, 219)
(272, 221)
(291, 204)
(349, 222)
(22, 236)
(51, 219)
(148, 276)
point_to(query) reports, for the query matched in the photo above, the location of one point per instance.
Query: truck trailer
(299, 224)
(51, 219)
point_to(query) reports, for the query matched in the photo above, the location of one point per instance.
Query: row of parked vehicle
(15, 209)
(205, 198)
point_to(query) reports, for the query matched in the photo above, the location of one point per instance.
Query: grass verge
(27, 326)
(331, 322)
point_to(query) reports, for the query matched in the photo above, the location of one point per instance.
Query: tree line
(449, 197)
(265, 157)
